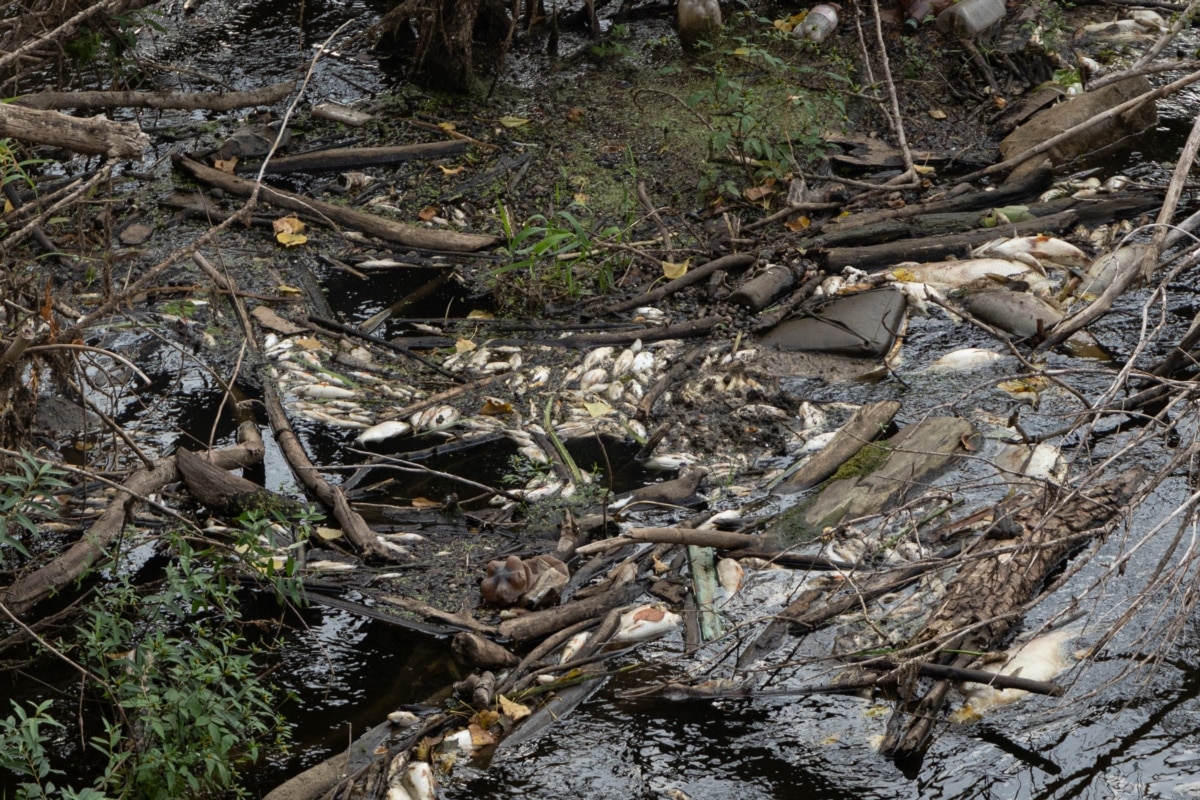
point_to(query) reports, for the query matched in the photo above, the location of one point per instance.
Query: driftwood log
(1029, 538)
(91, 136)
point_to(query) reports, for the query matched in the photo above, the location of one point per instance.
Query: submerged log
(1029, 538)
(911, 459)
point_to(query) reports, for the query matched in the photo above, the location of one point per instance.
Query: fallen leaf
(291, 239)
(308, 343)
(598, 408)
(425, 502)
(581, 198)
(267, 317)
(329, 533)
(965, 440)
(285, 289)
(493, 407)
(481, 314)
(464, 346)
(671, 270)
(447, 126)
(427, 213)
(937, 113)
(513, 710)
(1000, 102)
(798, 224)
(575, 115)
(225, 166)
(756, 193)
(513, 122)
(451, 170)
(742, 51)
(480, 737)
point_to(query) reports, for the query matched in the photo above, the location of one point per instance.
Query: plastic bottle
(969, 18)
(915, 11)
(819, 23)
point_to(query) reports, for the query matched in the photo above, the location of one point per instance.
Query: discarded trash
(968, 18)
(819, 23)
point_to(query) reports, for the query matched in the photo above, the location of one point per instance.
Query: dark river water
(1136, 737)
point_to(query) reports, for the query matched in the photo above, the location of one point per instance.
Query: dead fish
(1016, 312)
(959, 273)
(730, 575)
(1039, 659)
(591, 378)
(667, 463)
(573, 646)
(645, 623)
(966, 359)
(436, 417)
(1044, 248)
(324, 391)
(597, 358)
(760, 412)
(1105, 268)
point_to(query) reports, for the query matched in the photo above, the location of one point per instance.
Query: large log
(1029, 538)
(411, 235)
(91, 136)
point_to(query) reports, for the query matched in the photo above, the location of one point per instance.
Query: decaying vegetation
(914, 534)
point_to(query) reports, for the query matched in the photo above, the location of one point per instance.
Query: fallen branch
(189, 101)
(340, 216)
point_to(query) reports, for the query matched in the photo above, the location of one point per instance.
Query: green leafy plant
(555, 259)
(26, 494)
(189, 707)
(23, 752)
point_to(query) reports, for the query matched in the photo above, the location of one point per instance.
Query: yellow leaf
(285, 289)
(447, 126)
(904, 275)
(598, 409)
(451, 170)
(742, 51)
(493, 407)
(513, 122)
(8, 206)
(480, 737)
(308, 343)
(464, 346)
(425, 502)
(291, 239)
(329, 533)
(798, 224)
(671, 270)
(512, 710)
(937, 113)
(481, 314)
(581, 198)
(427, 213)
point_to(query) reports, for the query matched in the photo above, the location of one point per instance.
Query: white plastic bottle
(819, 23)
(968, 18)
